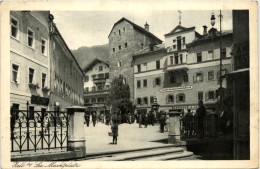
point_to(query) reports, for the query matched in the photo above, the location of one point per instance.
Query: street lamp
(212, 19)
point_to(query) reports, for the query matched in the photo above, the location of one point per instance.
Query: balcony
(178, 67)
(100, 78)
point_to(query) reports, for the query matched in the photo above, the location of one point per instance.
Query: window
(86, 78)
(176, 59)
(31, 75)
(93, 88)
(198, 77)
(170, 98)
(119, 32)
(100, 68)
(139, 101)
(107, 75)
(181, 59)
(142, 45)
(171, 60)
(31, 113)
(174, 46)
(118, 64)
(180, 98)
(157, 81)
(86, 89)
(200, 95)
(183, 41)
(30, 36)
(179, 43)
(185, 78)
(151, 100)
(145, 66)
(125, 45)
(43, 79)
(145, 82)
(119, 47)
(14, 27)
(43, 46)
(211, 95)
(138, 68)
(138, 83)
(86, 100)
(145, 100)
(114, 50)
(211, 75)
(210, 55)
(93, 76)
(93, 100)
(124, 29)
(199, 58)
(223, 53)
(158, 64)
(15, 73)
(172, 79)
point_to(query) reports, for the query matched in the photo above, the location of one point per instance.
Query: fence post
(76, 137)
(174, 127)
(27, 125)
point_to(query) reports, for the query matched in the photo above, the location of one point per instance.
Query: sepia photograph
(129, 85)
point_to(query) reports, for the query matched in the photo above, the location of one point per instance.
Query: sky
(90, 28)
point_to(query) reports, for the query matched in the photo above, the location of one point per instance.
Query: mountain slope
(84, 55)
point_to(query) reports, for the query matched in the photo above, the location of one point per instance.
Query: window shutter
(201, 77)
(18, 76)
(194, 78)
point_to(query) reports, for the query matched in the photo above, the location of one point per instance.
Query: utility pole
(220, 59)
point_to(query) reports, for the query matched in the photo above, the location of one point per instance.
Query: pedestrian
(201, 112)
(145, 120)
(189, 123)
(114, 128)
(140, 120)
(94, 119)
(87, 119)
(129, 117)
(162, 122)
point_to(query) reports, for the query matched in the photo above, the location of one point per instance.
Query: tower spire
(179, 17)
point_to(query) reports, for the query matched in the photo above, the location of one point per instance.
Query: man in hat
(201, 113)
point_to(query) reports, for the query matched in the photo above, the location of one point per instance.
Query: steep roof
(137, 27)
(179, 29)
(156, 49)
(93, 63)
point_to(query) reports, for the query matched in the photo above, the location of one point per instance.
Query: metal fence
(189, 127)
(38, 130)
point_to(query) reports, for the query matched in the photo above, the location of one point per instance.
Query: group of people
(87, 119)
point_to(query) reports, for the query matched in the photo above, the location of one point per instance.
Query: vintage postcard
(129, 84)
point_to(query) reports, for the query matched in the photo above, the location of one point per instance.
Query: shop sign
(186, 107)
(176, 89)
(39, 100)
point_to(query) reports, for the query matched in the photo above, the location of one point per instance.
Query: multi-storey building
(66, 75)
(29, 57)
(44, 73)
(183, 72)
(96, 86)
(125, 39)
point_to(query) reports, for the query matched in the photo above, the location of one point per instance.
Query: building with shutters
(29, 60)
(125, 39)
(44, 72)
(183, 71)
(96, 86)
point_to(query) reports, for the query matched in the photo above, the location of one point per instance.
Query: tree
(119, 96)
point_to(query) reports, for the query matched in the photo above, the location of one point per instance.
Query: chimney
(205, 30)
(146, 27)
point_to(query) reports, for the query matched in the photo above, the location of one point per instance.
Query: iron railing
(37, 130)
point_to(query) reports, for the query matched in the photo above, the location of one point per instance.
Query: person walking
(189, 123)
(114, 128)
(87, 119)
(140, 120)
(94, 119)
(162, 122)
(145, 120)
(201, 113)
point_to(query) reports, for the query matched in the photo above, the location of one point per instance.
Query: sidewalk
(130, 137)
